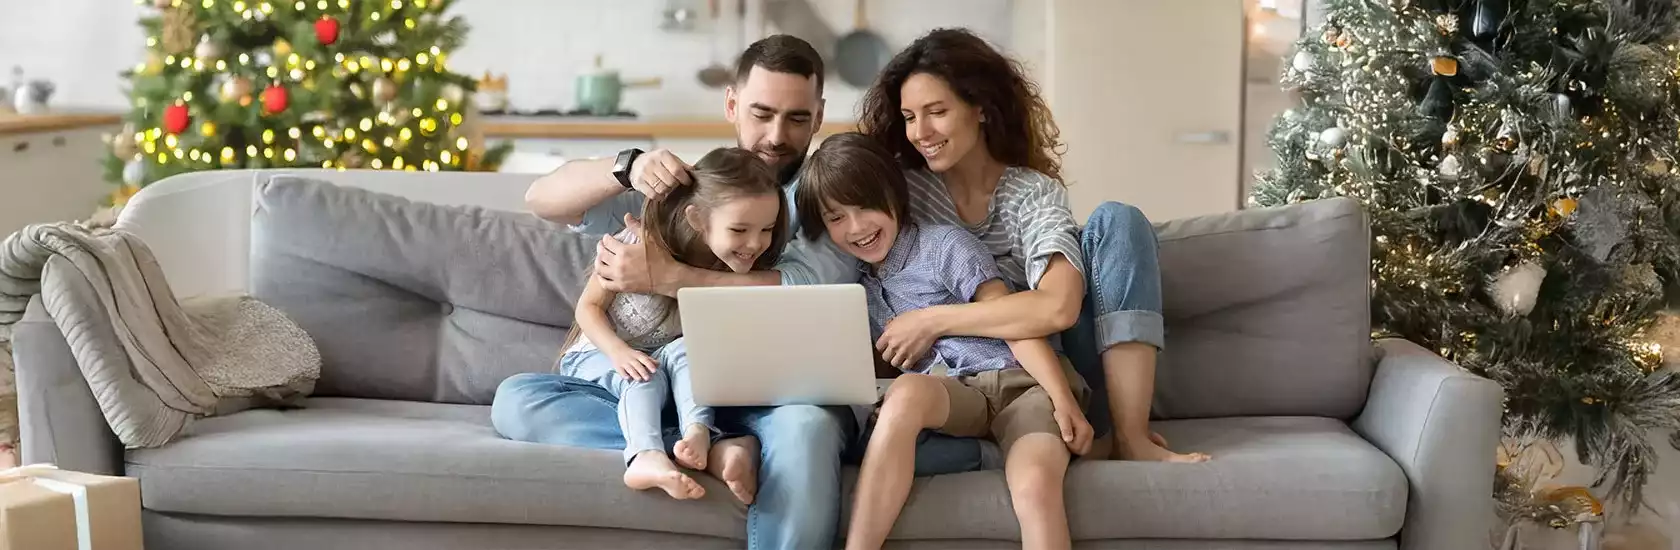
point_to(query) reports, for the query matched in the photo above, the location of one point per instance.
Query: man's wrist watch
(621, 167)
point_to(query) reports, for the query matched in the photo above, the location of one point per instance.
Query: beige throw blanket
(153, 363)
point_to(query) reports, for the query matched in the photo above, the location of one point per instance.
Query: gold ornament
(384, 90)
(236, 88)
(208, 129)
(154, 64)
(1444, 66)
(180, 30)
(282, 48)
(1564, 207)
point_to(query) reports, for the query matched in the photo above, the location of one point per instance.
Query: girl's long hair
(721, 176)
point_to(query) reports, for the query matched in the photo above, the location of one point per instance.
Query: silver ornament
(134, 172)
(1450, 167)
(1516, 289)
(207, 50)
(1333, 136)
(454, 94)
(1303, 61)
(1562, 107)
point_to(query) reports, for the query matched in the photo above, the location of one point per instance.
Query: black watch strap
(621, 167)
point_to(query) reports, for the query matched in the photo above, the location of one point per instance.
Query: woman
(981, 151)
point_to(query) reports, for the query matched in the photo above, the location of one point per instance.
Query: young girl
(733, 217)
(1018, 393)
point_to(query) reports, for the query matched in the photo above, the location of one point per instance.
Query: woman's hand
(1076, 430)
(633, 364)
(908, 337)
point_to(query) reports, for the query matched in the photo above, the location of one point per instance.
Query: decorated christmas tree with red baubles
(349, 84)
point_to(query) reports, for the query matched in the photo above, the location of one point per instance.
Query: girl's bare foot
(653, 469)
(1150, 451)
(735, 461)
(695, 447)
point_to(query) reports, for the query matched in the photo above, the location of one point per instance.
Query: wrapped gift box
(45, 508)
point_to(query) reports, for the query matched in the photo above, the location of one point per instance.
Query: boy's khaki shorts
(1005, 404)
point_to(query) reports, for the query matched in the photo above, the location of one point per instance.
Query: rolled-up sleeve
(608, 217)
(816, 262)
(1045, 226)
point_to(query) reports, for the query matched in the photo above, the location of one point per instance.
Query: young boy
(1018, 393)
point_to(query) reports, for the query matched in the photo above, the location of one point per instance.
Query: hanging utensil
(861, 54)
(715, 75)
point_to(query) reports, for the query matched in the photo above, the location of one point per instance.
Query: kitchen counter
(13, 123)
(560, 127)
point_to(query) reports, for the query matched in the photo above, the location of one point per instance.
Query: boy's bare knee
(908, 398)
(1036, 468)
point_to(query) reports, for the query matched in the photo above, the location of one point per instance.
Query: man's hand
(908, 337)
(657, 172)
(637, 268)
(1076, 430)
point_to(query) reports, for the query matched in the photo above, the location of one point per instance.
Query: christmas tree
(230, 84)
(1517, 159)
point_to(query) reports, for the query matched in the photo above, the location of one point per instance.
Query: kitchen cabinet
(51, 175)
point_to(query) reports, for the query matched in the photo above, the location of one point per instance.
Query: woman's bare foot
(695, 447)
(735, 461)
(653, 469)
(1152, 451)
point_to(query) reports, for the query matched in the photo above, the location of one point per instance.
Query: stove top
(557, 113)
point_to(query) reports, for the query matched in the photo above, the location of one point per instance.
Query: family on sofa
(999, 317)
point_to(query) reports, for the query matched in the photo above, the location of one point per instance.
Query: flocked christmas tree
(1517, 159)
(296, 83)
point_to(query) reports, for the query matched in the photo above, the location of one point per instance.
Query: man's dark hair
(850, 169)
(781, 53)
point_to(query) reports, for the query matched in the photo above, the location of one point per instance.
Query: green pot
(599, 91)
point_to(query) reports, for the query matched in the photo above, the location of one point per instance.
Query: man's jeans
(798, 503)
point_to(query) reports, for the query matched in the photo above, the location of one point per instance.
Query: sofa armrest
(60, 421)
(1442, 425)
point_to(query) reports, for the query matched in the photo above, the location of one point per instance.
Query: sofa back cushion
(1267, 312)
(413, 300)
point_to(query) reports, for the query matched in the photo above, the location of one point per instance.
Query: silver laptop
(778, 345)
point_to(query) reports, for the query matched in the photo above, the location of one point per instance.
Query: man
(776, 107)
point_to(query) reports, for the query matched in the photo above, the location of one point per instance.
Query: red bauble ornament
(274, 99)
(326, 30)
(176, 118)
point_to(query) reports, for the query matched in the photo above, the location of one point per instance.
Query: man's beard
(787, 173)
(795, 159)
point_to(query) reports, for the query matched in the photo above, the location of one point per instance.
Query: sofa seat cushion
(407, 461)
(1279, 478)
(1271, 478)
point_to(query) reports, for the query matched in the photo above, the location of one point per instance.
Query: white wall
(540, 44)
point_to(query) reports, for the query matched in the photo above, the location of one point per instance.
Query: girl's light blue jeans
(641, 404)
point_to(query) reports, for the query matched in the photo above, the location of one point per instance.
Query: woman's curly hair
(1018, 131)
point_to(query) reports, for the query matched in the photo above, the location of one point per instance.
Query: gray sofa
(421, 305)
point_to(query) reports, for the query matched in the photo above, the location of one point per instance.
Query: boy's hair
(854, 170)
(723, 174)
(781, 53)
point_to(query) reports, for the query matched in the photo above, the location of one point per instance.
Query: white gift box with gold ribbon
(45, 508)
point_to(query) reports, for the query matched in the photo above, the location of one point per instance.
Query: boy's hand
(633, 364)
(1076, 431)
